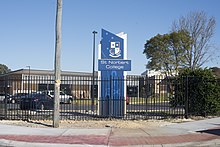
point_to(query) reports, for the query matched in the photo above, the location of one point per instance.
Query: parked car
(15, 98)
(2, 96)
(36, 101)
(64, 98)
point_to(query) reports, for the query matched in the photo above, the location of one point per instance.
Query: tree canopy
(187, 46)
(4, 69)
(167, 52)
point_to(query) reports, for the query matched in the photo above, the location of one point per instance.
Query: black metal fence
(145, 98)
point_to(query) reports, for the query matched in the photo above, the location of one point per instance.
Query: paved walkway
(197, 133)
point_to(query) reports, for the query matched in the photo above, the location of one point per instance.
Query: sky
(27, 29)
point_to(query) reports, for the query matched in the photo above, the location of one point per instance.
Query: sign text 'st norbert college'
(122, 65)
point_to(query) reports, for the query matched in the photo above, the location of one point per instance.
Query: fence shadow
(41, 123)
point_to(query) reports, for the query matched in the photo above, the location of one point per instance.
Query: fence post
(110, 100)
(186, 96)
(204, 101)
(6, 91)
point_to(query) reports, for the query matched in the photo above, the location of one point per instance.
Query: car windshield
(31, 95)
(21, 94)
(61, 93)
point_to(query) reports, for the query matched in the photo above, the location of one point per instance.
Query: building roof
(47, 72)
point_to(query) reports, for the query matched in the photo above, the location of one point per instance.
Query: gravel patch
(96, 123)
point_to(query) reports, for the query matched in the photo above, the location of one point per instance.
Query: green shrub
(198, 91)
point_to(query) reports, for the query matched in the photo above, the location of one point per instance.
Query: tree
(201, 29)
(4, 69)
(167, 52)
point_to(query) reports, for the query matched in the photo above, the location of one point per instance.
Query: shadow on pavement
(211, 131)
(40, 123)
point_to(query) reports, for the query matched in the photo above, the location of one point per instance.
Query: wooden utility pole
(56, 113)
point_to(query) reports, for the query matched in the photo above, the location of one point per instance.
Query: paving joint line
(61, 134)
(108, 136)
(144, 131)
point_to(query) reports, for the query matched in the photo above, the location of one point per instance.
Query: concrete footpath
(196, 133)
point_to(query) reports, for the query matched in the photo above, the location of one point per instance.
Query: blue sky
(27, 29)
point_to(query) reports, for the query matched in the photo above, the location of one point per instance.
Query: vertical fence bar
(146, 96)
(186, 97)
(5, 107)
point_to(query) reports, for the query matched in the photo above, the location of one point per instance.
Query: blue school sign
(112, 65)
